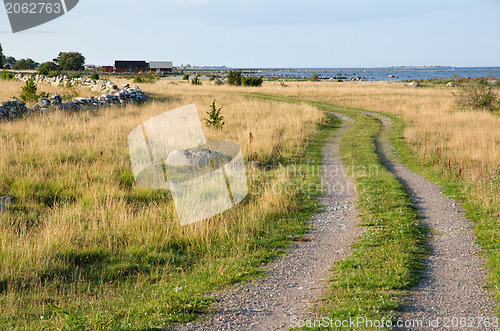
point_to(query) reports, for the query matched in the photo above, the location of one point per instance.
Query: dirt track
(296, 279)
(454, 282)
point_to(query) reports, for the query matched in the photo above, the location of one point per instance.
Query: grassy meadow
(83, 247)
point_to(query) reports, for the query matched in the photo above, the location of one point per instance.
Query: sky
(269, 33)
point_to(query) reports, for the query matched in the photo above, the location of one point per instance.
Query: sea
(378, 74)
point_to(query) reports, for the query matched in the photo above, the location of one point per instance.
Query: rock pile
(113, 96)
(102, 86)
(13, 109)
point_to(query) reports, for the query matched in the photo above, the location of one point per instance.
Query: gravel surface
(298, 278)
(454, 282)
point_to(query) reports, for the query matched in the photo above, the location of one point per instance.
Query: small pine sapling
(215, 120)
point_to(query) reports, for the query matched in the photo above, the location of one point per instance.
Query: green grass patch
(388, 259)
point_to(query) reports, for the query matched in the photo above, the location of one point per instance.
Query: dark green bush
(185, 77)
(252, 81)
(94, 76)
(234, 77)
(47, 67)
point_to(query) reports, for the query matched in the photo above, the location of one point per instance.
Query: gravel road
(454, 282)
(298, 278)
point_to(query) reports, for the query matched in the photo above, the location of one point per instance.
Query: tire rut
(454, 283)
(298, 278)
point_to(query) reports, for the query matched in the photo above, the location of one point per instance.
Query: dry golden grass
(74, 193)
(469, 139)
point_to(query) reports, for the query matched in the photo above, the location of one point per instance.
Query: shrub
(215, 119)
(47, 67)
(315, 77)
(5, 75)
(185, 77)
(234, 77)
(251, 81)
(145, 78)
(94, 76)
(54, 73)
(196, 80)
(28, 91)
(478, 97)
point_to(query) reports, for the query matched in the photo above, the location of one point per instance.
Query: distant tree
(25, 64)
(46, 67)
(11, 60)
(70, 61)
(315, 77)
(234, 77)
(2, 57)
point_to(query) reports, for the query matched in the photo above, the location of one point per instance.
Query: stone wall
(112, 96)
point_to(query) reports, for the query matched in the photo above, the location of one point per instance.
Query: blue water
(375, 74)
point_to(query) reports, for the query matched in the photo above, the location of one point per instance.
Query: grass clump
(478, 97)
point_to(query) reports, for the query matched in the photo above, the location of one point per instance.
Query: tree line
(65, 61)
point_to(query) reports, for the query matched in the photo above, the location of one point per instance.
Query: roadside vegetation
(456, 147)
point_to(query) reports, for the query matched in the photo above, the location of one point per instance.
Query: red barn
(131, 66)
(107, 69)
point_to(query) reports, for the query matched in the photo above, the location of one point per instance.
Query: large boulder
(452, 84)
